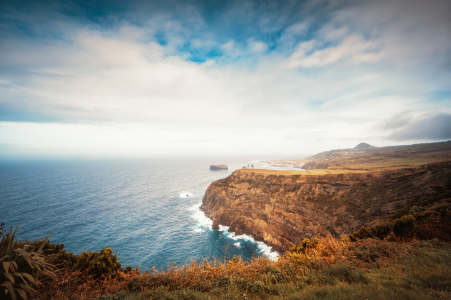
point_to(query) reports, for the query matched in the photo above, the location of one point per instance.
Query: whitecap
(203, 221)
(199, 216)
(264, 249)
(237, 244)
(198, 230)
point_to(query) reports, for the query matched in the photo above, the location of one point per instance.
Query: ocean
(146, 210)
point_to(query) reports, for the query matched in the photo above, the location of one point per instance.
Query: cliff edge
(281, 208)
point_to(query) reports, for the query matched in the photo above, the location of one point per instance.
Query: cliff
(281, 208)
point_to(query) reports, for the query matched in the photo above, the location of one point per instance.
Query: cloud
(256, 46)
(292, 33)
(426, 127)
(407, 32)
(252, 74)
(353, 48)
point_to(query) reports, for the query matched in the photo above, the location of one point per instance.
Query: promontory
(281, 208)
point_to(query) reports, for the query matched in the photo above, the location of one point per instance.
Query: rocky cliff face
(283, 209)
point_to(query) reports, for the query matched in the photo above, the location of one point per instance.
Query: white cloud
(353, 48)
(256, 46)
(292, 32)
(120, 90)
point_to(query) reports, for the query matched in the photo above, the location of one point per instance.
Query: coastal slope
(281, 208)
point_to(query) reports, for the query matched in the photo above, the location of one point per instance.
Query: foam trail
(265, 249)
(200, 217)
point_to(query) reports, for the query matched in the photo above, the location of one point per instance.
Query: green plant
(59, 256)
(99, 263)
(22, 264)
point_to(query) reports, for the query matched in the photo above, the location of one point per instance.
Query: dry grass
(300, 172)
(388, 164)
(334, 269)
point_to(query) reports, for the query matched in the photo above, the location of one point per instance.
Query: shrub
(404, 225)
(99, 264)
(60, 256)
(23, 265)
(306, 244)
(411, 223)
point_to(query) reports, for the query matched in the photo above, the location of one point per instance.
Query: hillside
(368, 157)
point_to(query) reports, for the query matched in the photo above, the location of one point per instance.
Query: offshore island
(357, 223)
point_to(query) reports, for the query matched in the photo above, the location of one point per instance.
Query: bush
(306, 244)
(404, 225)
(411, 222)
(99, 264)
(23, 264)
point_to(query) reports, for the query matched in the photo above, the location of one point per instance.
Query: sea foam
(204, 221)
(199, 216)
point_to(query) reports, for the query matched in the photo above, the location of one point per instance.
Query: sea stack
(218, 167)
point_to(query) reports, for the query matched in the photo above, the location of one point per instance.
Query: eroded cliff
(282, 209)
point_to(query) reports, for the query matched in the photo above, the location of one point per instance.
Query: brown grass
(300, 172)
(331, 263)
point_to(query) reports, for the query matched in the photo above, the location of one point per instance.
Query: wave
(199, 216)
(204, 221)
(265, 249)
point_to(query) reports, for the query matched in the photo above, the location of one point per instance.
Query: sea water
(146, 210)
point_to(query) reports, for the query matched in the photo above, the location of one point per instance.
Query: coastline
(207, 222)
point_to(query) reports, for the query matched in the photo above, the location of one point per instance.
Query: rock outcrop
(282, 209)
(218, 167)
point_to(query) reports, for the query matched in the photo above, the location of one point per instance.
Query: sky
(264, 78)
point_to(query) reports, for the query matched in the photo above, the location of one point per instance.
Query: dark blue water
(139, 208)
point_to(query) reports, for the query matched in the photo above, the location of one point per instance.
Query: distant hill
(365, 156)
(364, 146)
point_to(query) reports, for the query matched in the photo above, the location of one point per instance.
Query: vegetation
(325, 269)
(23, 265)
(406, 257)
(431, 219)
(403, 256)
(104, 262)
(393, 267)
